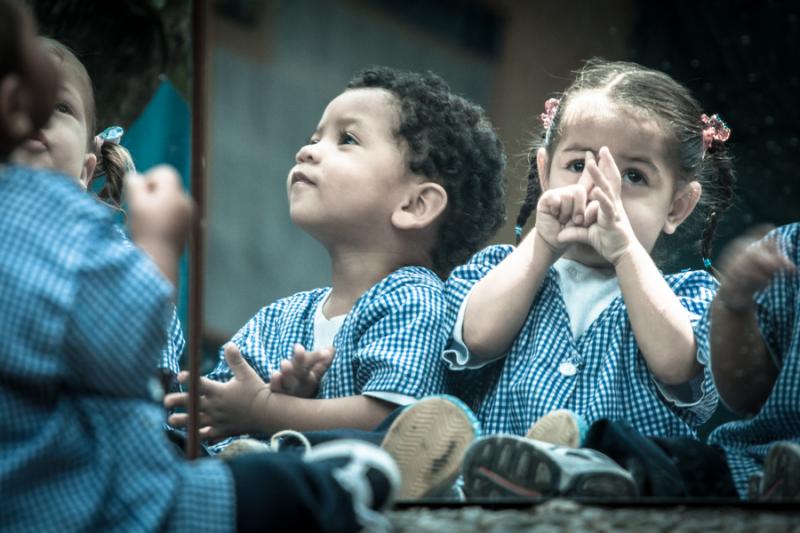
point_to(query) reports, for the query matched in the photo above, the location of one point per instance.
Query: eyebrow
(343, 123)
(635, 159)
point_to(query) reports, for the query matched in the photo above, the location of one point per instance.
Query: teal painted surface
(162, 134)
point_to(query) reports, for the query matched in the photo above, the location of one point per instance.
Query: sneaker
(428, 440)
(365, 471)
(781, 481)
(243, 446)
(562, 427)
(508, 466)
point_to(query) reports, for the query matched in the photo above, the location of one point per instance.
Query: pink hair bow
(550, 108)
(714, 129)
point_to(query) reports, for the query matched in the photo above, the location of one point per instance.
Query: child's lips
(35, 144)
(299, 177)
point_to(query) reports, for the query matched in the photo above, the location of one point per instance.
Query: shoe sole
(428, 441)
(558, 427)
(510, 467)
(781, 480)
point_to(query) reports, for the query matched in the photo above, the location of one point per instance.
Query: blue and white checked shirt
(390, 341)
(747, 442)
(612, 379)
(82, 319)
(172, 351)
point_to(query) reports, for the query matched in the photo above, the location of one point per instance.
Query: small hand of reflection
(225, 409)
(301, 375)
(747, 265)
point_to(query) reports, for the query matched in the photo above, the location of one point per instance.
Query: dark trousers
(281, 492)
(664, 467)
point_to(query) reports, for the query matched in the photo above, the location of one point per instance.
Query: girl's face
(61, 144)
(653, 198)
(350, 176)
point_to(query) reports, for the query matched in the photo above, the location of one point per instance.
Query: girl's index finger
(608, 166)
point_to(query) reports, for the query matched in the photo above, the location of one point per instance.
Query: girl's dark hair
(450, 141)
(670, 103)
(113, 160)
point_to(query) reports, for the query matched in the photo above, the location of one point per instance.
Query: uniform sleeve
(457, 289)
(172, 352)
(400, 349)
(118, 321)
(697, 399)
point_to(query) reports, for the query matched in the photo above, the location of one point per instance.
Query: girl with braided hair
(578, 314)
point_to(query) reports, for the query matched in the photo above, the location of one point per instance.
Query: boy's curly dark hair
(451, 141)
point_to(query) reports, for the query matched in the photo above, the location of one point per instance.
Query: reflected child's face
(350, 176)
(650, 193)
(62, 144)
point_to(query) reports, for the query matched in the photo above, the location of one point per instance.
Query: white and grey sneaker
(508, 466)
(367, 472)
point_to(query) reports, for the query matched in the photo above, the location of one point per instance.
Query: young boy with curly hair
(401, 181)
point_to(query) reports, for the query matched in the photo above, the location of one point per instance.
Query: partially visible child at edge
(401, 181)
(82, 318)
(67, 144)
(579, 314)
(755, 360)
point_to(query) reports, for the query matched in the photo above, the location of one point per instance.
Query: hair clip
(112, 134)
(550, 109)
(706, 263)
(518, 232)
(714, 129)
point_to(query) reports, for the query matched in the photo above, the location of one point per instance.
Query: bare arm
(499, 303)
(659, 321)
(743, 370)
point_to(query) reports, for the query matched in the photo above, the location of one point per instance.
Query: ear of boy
(683, 204)
(421, 207)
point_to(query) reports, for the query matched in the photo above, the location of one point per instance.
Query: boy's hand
(610, 234)
(747, 265)
(158, 208)
(564, 207)
(226, 409)
(301, 375)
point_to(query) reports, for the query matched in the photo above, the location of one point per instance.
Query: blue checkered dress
(390, 340)
(746, 442)
(612, 380)
(82, 319)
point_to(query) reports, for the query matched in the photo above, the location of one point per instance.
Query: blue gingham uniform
(173, 348)
(390, 341)
(82, 319)
(747, 442)
(612, 379)
(172, 351)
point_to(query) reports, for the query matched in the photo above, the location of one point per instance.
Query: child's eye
(635, 177)
(347, 138)
(311, 140)
(63, 107)
(576, 166)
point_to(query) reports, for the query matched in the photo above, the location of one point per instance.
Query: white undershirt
(325, 329)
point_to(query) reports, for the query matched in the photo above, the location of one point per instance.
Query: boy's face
(62, 143)
(350, 176)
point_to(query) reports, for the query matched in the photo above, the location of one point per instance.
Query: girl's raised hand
(606, 227)
(564, 207)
